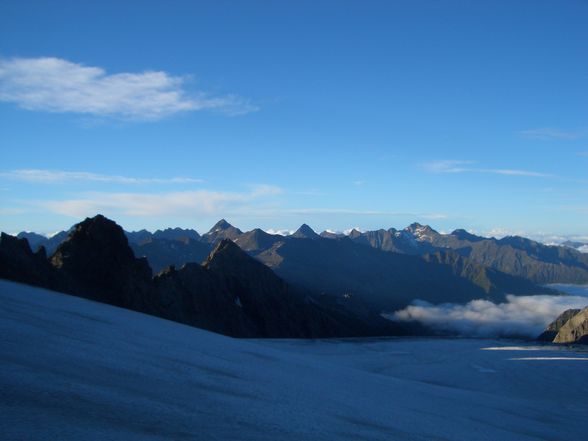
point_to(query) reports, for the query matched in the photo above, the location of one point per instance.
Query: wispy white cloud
(518, 316)
(58, 176)
(583, 154)
(179, 203)
(58, 85)
(550, 133)
(461, 166)
(359, 183)
(447, 166)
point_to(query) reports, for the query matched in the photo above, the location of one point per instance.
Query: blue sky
(334, 113)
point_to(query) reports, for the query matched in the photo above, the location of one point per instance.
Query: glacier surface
(74, 369)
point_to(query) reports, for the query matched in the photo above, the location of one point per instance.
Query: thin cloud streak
(461, 166)
(259, 202)
(61, 176)
(181, 203)
(550, 133)
(61, 86)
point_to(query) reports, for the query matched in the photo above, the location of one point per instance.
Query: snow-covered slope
(74, 369)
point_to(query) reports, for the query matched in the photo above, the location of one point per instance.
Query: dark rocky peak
(14, 244)
(179, 234)
(220, 226)
(257, 239)
(138, 237)
(226, 251)
(305, 232)
(35, 240)
(94, 235)
(462, 234)
(98, 262)
(259, 233)
(353, 234)
(228, 259)
(19, 263)
(331, 235)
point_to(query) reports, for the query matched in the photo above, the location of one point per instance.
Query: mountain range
(513, 255)
(230, 293)
(303, 285)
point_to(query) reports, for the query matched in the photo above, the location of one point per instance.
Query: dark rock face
(36, 241)
(575, 330)
(554, 327)
(96, 262)
(244, 296)
(19, 263)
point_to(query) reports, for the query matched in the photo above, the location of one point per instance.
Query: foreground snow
(74, 369)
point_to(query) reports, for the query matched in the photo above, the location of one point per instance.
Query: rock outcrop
(554, 327)
(575, 330)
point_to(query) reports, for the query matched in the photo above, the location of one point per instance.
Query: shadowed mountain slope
(231, 293)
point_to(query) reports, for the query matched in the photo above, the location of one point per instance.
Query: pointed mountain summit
(305, 232)
(221, 230)
(220, 225)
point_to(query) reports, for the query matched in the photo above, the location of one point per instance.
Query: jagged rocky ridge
(231, 293)
(513, 255)
(375, 271)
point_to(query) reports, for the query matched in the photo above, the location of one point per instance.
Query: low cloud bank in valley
(519, 316)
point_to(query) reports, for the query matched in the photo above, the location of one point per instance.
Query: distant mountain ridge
(361, 273)
(231, 293)
(518, 256)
